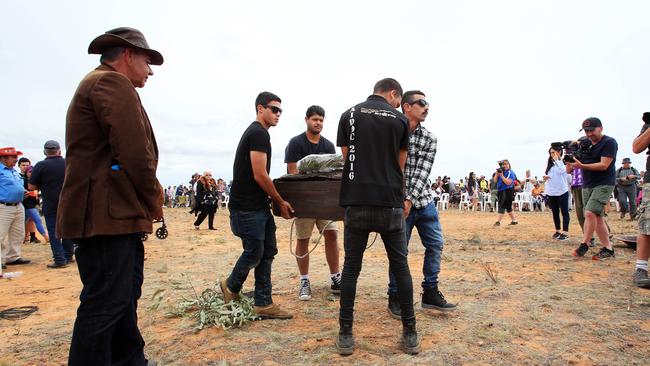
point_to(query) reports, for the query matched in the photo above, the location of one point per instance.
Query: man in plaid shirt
(419, 207)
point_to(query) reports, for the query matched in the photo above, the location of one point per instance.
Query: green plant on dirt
(209, 310)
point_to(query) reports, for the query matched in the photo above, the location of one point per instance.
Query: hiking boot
(581, 250)
(228, 295)
(640, 278)
(562, 237)
(432, 298)
(555, 236)
(304, 292)
(34, 241)
(57, 265)
(272, 311)
(410, 340)
(394, 308)
(335, 287)
(604, 254)
(345, 341)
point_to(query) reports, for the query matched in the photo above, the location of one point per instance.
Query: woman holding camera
(505, 180)
(557, 190)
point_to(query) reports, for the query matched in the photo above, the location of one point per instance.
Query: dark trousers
(560, 203)
(625, 194)
(106, 330)
(505, 200)
(206, 211)
(360, 221)
(62, 249)
(257, 232)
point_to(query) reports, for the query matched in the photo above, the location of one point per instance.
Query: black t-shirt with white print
(246, 194)
(374, 133)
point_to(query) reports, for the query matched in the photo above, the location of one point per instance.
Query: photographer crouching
(641, 143)
(599, 178)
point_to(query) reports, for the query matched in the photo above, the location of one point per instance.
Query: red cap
(9, 151)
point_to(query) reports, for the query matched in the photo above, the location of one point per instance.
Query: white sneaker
(304, 293)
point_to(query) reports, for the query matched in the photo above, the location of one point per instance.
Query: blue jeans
(427, 221)
(62, 250)
(32, 213)
(360, 221)
(257, 232)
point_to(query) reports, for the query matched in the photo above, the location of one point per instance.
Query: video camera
(573, 149)
(500, 168)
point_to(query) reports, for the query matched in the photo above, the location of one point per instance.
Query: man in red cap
(110, 197)
(12, 212)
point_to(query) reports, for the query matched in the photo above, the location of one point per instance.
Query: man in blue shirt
(12, 213)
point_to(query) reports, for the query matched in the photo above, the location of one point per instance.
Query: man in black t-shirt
(48, 176)
(374, 139)
(641, 143)
(599, 178)
(308, 143)
(250, 216)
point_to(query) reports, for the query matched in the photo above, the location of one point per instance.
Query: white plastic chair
(464, 201)
(615, 202)
(443, 203)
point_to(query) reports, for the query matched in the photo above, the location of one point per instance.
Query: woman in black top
(206, 200)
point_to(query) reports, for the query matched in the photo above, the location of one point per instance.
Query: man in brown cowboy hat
(110, 197)
(12, 213)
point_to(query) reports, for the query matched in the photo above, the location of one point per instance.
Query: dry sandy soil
(546, 308)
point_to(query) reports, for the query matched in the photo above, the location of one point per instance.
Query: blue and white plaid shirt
(423, 146)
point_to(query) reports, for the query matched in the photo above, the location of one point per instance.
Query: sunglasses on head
(421, 102)
(274, 109)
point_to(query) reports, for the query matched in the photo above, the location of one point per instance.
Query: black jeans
(257, 232)
(360, 221)
(206, 210)
(560, 203)
(505, 200)
(106, 330)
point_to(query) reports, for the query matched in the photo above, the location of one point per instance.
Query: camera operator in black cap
(642, 142)
(599, 178)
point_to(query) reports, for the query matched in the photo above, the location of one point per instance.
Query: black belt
(10, 203)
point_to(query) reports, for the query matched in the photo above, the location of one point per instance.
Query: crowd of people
(99, 200)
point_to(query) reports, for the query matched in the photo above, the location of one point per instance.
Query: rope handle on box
(320, 236)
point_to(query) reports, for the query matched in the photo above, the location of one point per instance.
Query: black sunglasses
(274, 109)
(421, 102)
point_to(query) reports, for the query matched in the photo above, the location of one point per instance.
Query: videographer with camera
(641, 143)
(557, 190)
(599, 177)
(505, 180)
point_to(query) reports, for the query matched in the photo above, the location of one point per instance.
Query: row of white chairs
(522, 200)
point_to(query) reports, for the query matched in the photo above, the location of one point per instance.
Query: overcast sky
(504, 78)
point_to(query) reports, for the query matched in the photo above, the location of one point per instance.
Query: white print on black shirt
(351, 148)
(378, 112)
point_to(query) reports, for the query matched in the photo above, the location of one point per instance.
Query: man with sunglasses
(374, 138)
(250, 216)
(419, 208)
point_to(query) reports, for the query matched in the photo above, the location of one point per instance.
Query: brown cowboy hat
(9, 151)
(124, 37)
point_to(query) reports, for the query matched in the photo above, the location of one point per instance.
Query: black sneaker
(335, 287)
(562, 237)
(640, 278)
(581, 250)
(304, 292)
(555, 236)
(57, 265)
(432, 298)
(497, 223)
(394, 308)
(513, 223)
(345, 341)
(604, 254)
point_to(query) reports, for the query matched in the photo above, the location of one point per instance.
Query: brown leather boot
(228, 295)
(272, 311)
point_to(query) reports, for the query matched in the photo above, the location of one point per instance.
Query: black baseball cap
(51, 145)
(590, 123)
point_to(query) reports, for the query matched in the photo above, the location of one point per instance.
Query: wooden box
(314, 196)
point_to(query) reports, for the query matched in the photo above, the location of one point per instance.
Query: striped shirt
(422, 152)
